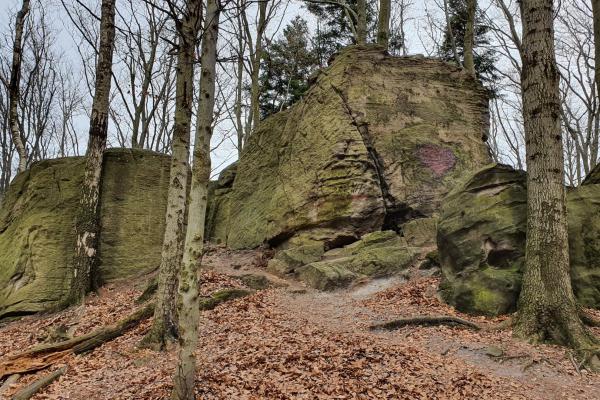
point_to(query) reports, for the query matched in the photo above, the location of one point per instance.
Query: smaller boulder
(377, 254)
(286, 261)
(420, 232)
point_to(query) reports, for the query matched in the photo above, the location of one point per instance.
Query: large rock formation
(37, 221)
(376, 141)
(481, 241)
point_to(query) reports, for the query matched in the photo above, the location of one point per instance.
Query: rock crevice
(376, 141)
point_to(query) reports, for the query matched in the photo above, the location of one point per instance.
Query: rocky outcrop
(377, 141)
(377, 254)
(481, 241)
(37, 222)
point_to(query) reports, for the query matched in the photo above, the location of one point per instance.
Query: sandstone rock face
(376, 255)
(376, 141)
(37, 226)
(481, 241)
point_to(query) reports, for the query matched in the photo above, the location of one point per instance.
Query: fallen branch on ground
(43, 356)
(9, 381)
(427, 321)
(28, 391)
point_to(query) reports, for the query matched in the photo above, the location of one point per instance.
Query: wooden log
(28, 391)
(9, 381)
(43, 356)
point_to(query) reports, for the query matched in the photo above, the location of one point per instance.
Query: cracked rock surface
(375, 142)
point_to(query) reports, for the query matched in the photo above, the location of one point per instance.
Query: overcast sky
(226, 152)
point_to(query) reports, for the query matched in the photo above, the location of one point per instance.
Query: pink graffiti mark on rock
(438, 159)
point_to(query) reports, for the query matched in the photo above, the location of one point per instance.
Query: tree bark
(13, 86)
(451, 33)
(30, 390)
(361, 22)
(87, 222)
(596, 20)
(258, 54)
(164, 326)
(188, 305)
(184, 378)
(383, 23)
(469, 40)
(239, 88)
(547, 309)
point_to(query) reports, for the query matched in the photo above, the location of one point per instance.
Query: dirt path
(547, 372)
(292, 342)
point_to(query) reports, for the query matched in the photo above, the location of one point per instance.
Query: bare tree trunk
(469, 40)
(451, 33)
(13, 87)
(240, 84)
(596, 19)
(361, 23)
(383, 23)
(188, 305)
(164, 326)
(258, 54)
(547, 308)
(87, 223)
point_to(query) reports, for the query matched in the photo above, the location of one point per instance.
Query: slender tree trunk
(13, 87)
(188, 305)
(239, 88)
(596, 19)
(451, 33)
(547, 308)
(383, 23)
(258, 54)
(87, 222)
(469, 40)
(361, 23)
(164, 326)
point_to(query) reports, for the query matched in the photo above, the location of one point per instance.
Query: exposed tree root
(589, 320)
(500, 326)
(426, 320)
(28, 391)
(45, 355)
(9, 381)
(149, 292)
(590, 359)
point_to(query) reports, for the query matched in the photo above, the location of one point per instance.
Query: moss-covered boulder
(37, 226)
(375, 255)
(377, 140)
(286, 261)
(481, 241)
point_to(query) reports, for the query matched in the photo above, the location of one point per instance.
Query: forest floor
(292, 342)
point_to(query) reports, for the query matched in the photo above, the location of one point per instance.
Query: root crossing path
(292, 342)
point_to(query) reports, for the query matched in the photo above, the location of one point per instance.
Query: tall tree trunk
(87, 222)
(361, 23)
(164, 326)
(239, 86)
(258, 54)
(13, 86)
(451, 33)
(383, 23)
(596, 19)
(469, 40)
(188, 305)
(547, 308)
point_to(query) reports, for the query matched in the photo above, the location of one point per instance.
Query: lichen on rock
(481, 241)
(37, 219)
(376, 141)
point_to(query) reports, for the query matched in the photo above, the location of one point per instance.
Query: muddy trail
(292, 342)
